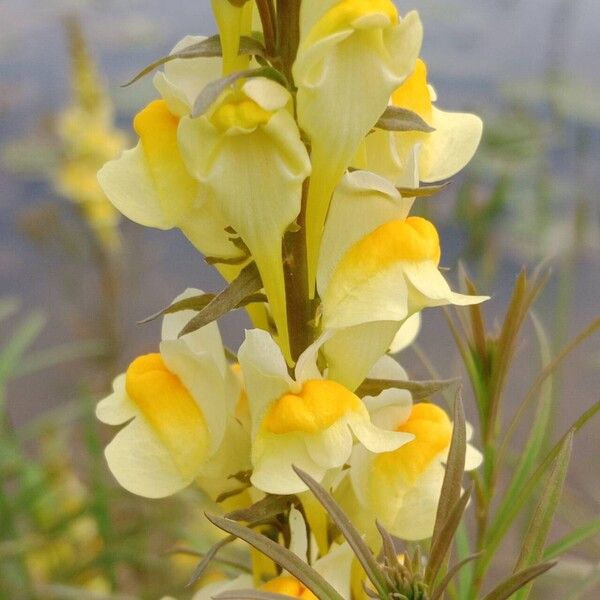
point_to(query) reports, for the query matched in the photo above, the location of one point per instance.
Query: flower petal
(143, 465)
(117, 408)
(451, 146)
(183, 79)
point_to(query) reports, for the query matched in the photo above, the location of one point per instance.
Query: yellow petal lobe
(169, 408)
(318, 405)
(241, 113)
(288, 586)
(414, 239)
(414, 93)
(345, 13)
(157, 129)
(432, 430)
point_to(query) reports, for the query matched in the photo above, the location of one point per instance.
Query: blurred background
(74, 280)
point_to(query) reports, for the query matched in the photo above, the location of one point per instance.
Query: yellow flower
(150, 184)
(351, 57)
(246, 153)
(440, 153)
(377, 268)
(308, 421)
(401, 488)
(177, 405)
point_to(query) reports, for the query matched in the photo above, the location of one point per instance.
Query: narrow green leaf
(13, 351)
(270, 506)
(463, 551)
(281, 555)
(534, 542)
(247, 283)
(508, 511)
(515, 582)
(592, 328)
(451, 574)
(423, 191)
(539, 428)
(440, 548)
(207, 558)
(572, 539)
(395, 118)
(353, 537)
(208, 48)
(214, 89)
(418, 389)
(389, 549)
(196, 303)
(455, 468)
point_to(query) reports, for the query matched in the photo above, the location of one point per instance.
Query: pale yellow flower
(353, 54)
(309, 421)
(150, 184)
(402, 488)
(247, 155)
(441, 153)
(377, 268)
(177, 406)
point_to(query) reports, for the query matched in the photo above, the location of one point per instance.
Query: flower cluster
(308, 169)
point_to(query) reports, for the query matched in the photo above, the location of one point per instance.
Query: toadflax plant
(289, 150)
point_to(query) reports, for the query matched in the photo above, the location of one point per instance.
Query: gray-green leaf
(246, 284)
(395, 118)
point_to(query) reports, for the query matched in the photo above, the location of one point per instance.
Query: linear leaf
(281, 555)
(572, 539)
(395, 118)
(532, 549)
(455, 468)
(439, 549)
(196, 303)
(507, 511)
(451, 574)
(423, 191)
(539, 427)
(207, 558)
(418, 389)
(515, 582)
(13, 351)
(546, 372)
(269, 506)
(247, 283)
(208, 48)
(353, 537)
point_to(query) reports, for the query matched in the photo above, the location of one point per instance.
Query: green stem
(267, 18)
(299, 307)
(288, 33)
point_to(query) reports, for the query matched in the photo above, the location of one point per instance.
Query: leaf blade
(248, 282)
(281, 555)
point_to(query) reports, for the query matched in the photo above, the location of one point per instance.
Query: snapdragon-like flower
(150, 184)
(177, 406)
(308, 421)
(352, 55)
(377, 268)
(402, 488)
(247, 154)
(441, 152)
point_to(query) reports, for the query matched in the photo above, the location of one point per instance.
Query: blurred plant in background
(71, 531)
